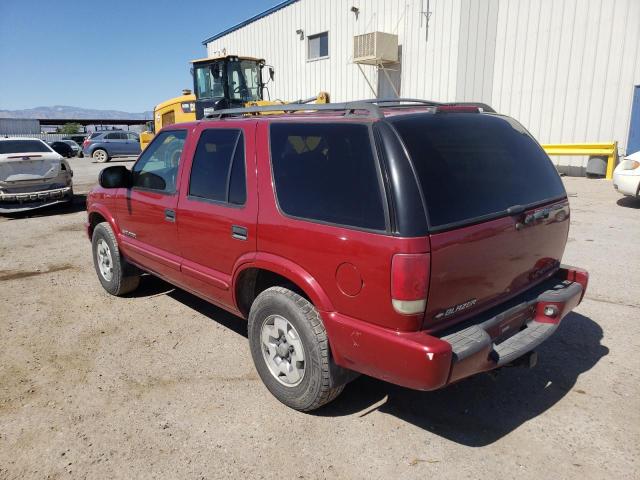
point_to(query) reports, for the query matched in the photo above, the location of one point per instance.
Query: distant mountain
(63, 111)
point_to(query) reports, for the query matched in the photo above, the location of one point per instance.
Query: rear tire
(100, 155)
(290, 349)
(116, 275)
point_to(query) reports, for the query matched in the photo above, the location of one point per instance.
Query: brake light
(457, 109)
(85, 143)
(409, 282)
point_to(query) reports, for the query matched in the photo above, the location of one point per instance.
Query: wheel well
(253, 281)
(94, 219)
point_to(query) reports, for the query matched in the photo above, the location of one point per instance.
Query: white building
(567, 69)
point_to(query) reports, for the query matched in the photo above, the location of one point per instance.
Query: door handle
(170, 215)
(238, 232)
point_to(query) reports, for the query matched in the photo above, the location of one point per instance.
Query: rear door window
(473, 165)
(327, 172)
(218, 170)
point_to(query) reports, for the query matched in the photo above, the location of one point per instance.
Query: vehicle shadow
(78, 204)
(482, 409)
(475, 412)
(629, 202)
(151, 285)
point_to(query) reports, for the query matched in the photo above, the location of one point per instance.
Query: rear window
(472, 165)
(22, 146)
(327, 172)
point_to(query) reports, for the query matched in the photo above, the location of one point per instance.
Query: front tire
(290, 349)
(99, 155)
(116, 275)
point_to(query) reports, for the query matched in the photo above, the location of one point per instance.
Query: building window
(318, 46)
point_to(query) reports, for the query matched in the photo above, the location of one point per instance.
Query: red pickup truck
(416, 242)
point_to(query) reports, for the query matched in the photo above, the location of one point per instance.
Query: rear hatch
(27, 161)
(497, 210)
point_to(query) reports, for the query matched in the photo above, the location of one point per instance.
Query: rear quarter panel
(360, 259)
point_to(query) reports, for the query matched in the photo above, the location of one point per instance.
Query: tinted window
(218, 167)
(471, 165)
(112, 136)
(94, 134)
(327, 172)
(22, 146)
(157, 167)
(318, 45)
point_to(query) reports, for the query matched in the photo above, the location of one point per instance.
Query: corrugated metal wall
(14, 126)
(565, 69)
(428, 68)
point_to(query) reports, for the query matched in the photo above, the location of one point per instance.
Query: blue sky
(122, 55)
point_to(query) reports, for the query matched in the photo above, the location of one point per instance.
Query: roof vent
(375, 48)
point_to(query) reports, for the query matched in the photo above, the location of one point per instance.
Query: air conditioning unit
(375, 48)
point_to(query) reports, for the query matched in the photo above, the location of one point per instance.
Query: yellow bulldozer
(227, 81)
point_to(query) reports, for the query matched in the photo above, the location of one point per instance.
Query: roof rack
(373, 107)
(397, 102)
(349, 108)
(483, 106)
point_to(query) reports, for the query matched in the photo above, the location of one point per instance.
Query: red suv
(415, 242)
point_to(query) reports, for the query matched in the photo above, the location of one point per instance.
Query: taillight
(85, 143)
(409, 282)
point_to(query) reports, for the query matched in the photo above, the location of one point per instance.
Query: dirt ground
(161, 384)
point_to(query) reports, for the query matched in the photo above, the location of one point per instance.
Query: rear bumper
(20, 202)
(424, 361)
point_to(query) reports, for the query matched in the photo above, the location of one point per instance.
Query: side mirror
(271, 73)
(117, 176)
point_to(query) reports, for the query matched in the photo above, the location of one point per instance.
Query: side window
(327, 172)
(112, 136)
(218, 170)
(132, 136)
(157, 167)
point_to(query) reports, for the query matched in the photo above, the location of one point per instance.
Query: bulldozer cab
(227, 82)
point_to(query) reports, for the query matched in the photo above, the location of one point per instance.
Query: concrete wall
(565, 69)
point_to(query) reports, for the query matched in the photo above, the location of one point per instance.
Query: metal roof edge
(244, 23)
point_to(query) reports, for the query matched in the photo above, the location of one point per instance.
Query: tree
(69, 128)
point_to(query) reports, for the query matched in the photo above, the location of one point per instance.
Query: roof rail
(399, 101)
(373, 107)
(483, 106)
(389, 102)
(349, 108)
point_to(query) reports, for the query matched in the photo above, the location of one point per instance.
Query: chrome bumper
(55, 194)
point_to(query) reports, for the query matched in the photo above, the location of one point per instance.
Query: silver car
(32, 175)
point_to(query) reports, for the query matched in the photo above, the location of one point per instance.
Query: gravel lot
(161, 384)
